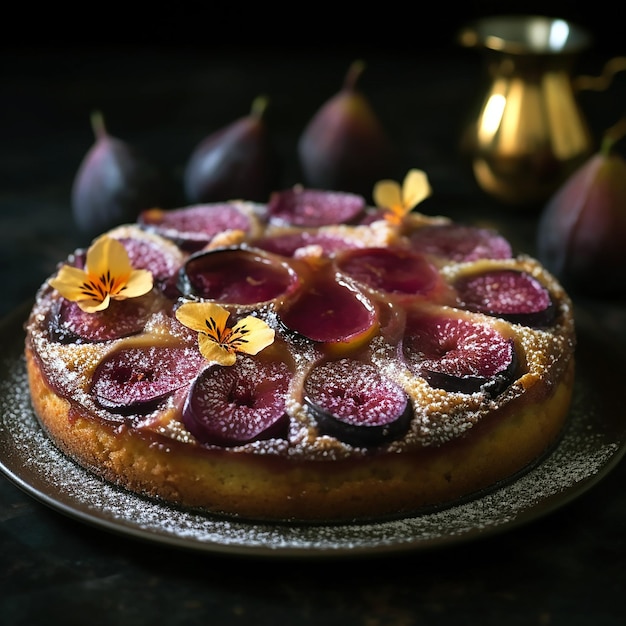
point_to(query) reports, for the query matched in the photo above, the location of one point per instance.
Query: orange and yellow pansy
(398, 201)
(218, 342)
(108, 275)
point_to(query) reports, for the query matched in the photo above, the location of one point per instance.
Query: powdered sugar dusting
(585, 454)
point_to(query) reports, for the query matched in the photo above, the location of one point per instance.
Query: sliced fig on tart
(238, 404)
(237, 276)
(513, 295)
(68, 323)
(354, 402)
(160, 260)
(460, 243)
(459, 354)
(304, 207)
(331, 312)
(146, 253)
(194, 227)
(290, 244)
(393, 270)
(136, 380)
(372, 215)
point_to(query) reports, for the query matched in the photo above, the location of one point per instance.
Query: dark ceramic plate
(593, 443)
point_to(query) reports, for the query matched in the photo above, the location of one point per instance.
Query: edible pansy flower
(218, 342)
(397, 201)
(108, 275)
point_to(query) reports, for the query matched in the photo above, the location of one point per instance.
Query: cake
(311, 359)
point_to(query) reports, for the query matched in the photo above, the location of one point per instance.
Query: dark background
(319, 26)
(164, 77)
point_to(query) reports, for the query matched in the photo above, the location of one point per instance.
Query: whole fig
(581, 234)
(114, 183)
(238, 161)
(344, 147)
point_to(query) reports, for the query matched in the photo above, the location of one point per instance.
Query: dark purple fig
(355, 403)
(136, 380)
(229, 406)
(314, 207)
(344, 147)
(68, 323)
(288, 244)
(456, 354)
(114, 183)
(510, 294)
(331, 312)
(581, 236)
(235, 162)
(236, 276)
(394, 270)
(192, 228)
(460, 243)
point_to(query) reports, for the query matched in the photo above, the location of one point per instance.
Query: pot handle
(603, 81)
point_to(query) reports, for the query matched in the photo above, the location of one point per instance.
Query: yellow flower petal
(107, 256)
(214, 352)
(196, 315)
(139, 283)
(69, 282)
(415, 188)
(92, 306)
(387, 194)
(251, 335)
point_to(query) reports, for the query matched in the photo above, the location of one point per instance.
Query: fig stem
(354, 73)
(97, 124)
(612, 136)
(259, 105)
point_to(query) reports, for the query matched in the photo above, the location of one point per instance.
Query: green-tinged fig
(114, 183)
(581, 234)
(344, 147)
(236, 162)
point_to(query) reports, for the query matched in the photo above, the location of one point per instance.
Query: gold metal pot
(529, 134)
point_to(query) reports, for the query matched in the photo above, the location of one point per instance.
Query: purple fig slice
(331, 312)
(153, 256)
(236, 276)
(288, 244)
(68, 323)
(194, 227)
(456, 354)
(510, 294)
(372, 215)
(353, 402)
(314, 207)
(229, 406)
(136, 380)
(460, 243)
(394, 270)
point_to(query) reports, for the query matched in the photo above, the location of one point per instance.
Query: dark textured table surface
(567, 568)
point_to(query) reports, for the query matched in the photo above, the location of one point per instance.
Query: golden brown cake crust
(264, 488)
(457, 444)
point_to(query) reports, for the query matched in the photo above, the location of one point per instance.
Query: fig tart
(311, 359)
